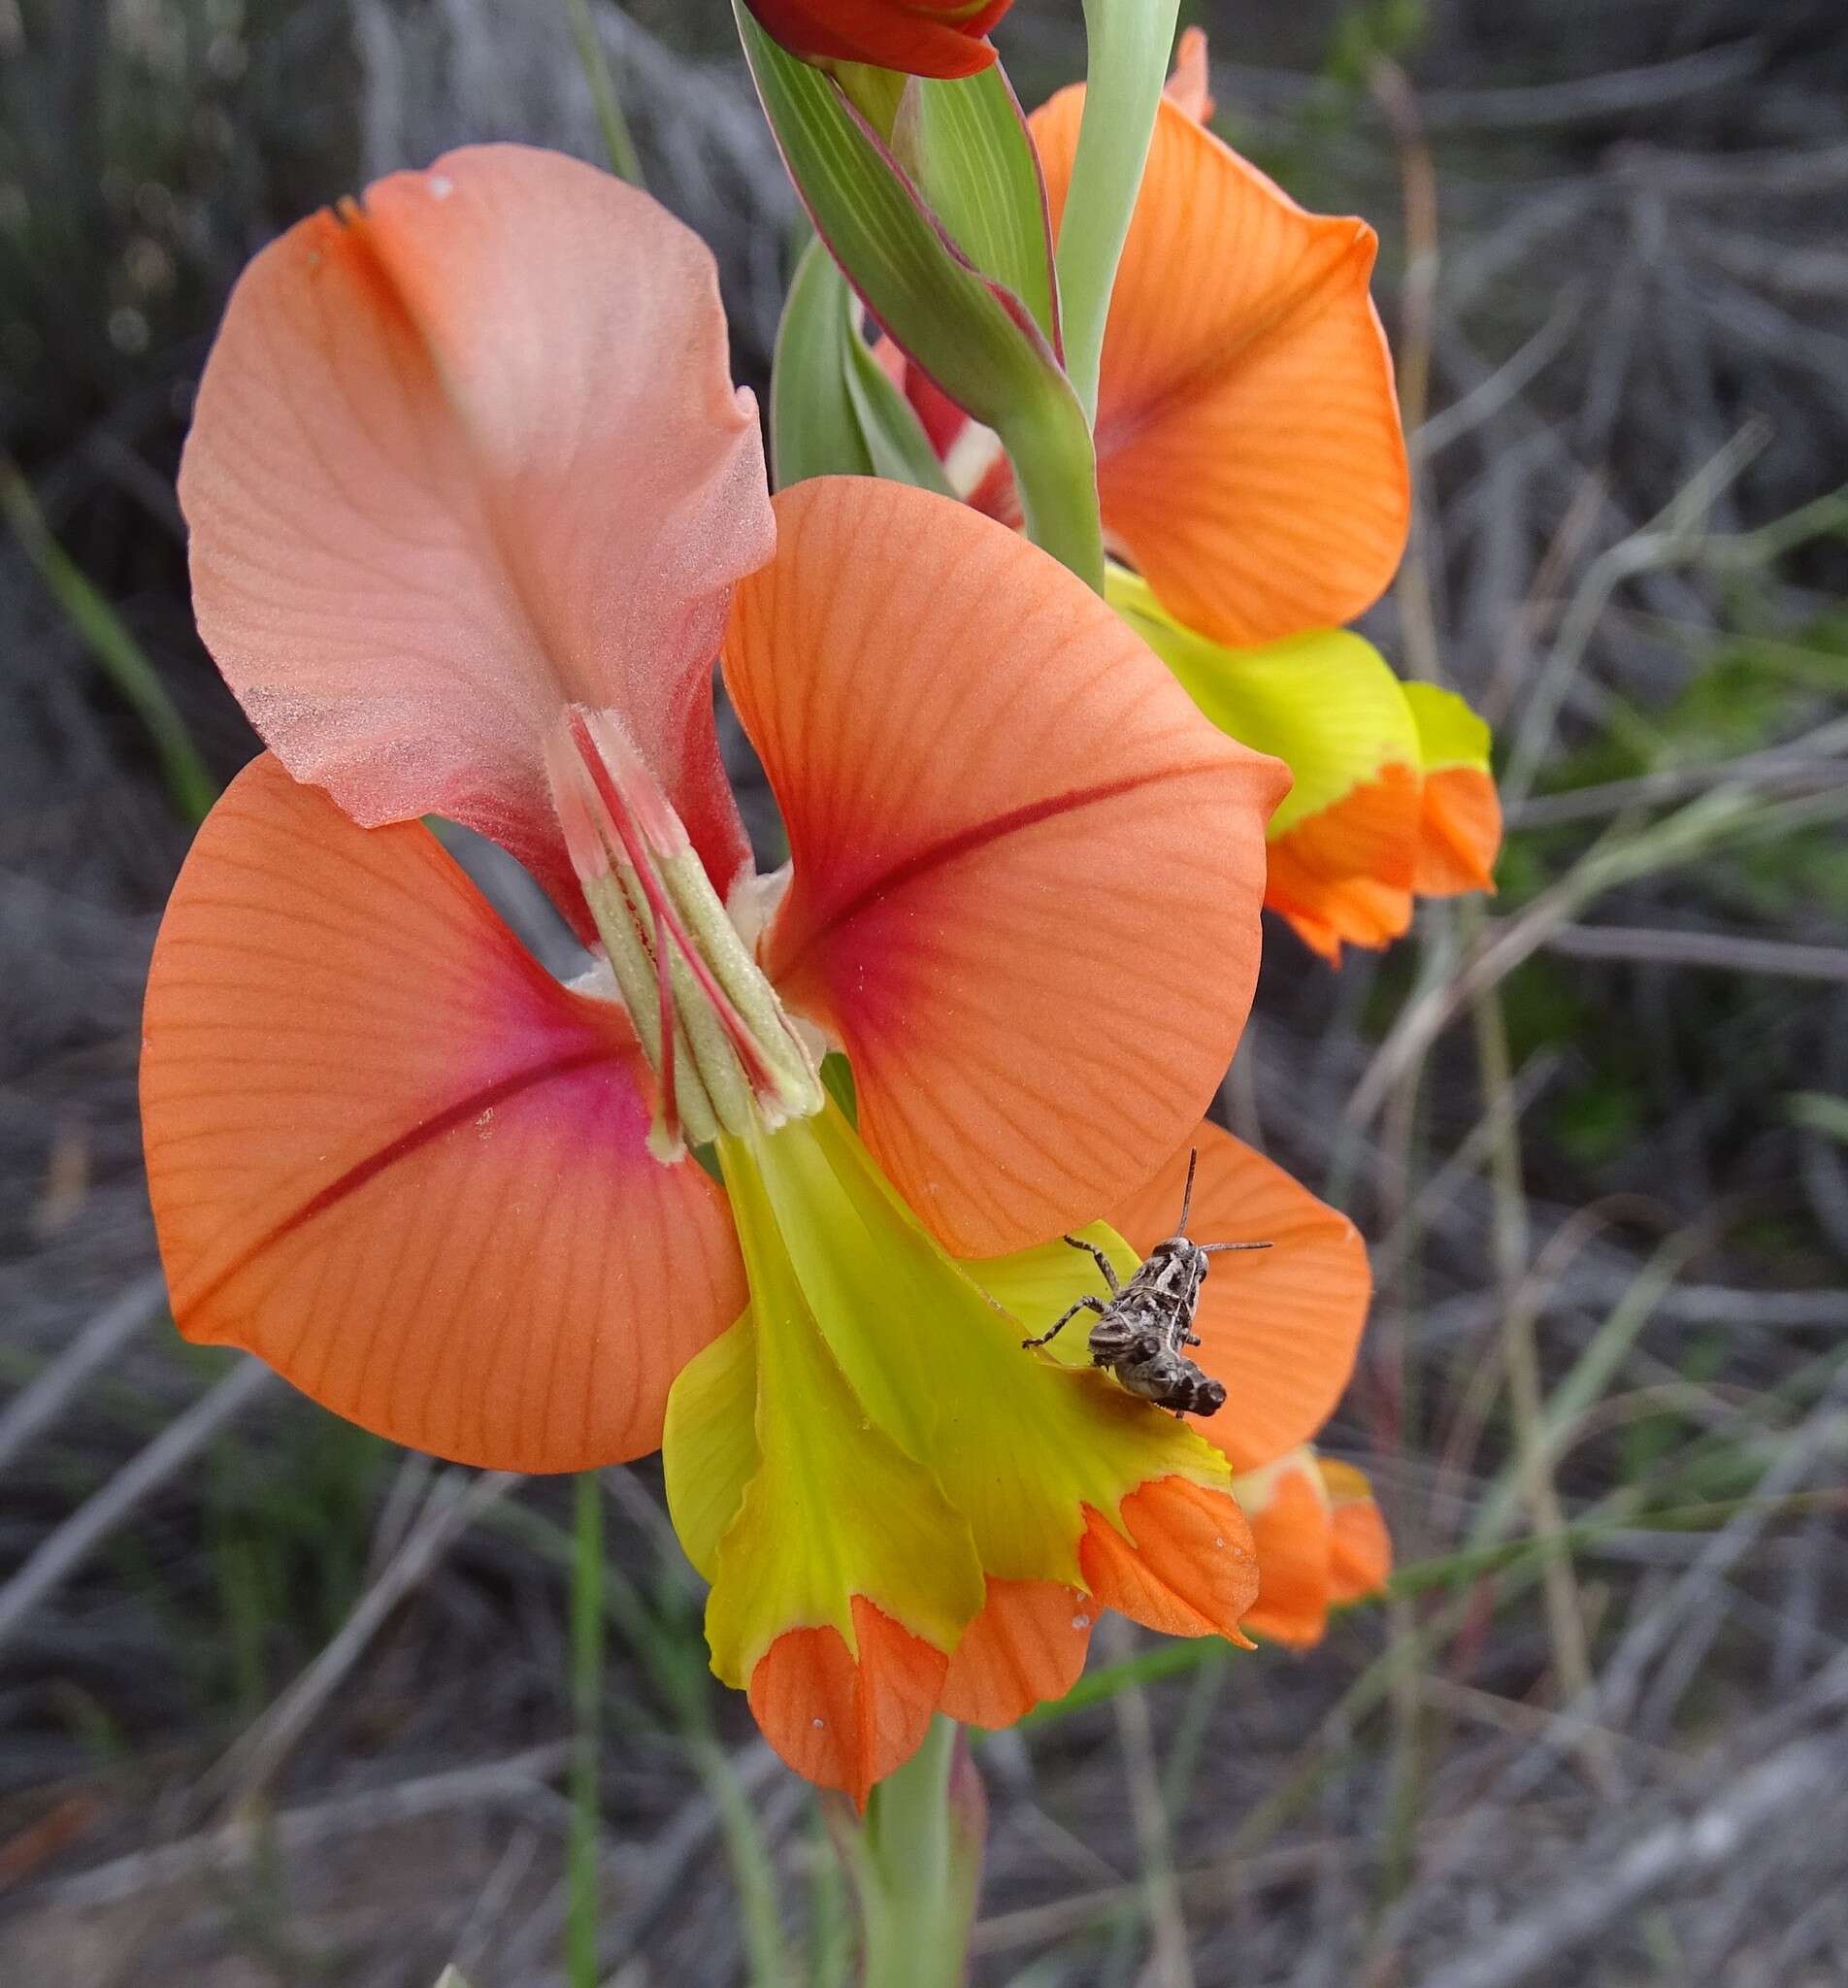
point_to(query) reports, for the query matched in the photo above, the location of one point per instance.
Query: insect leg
(1065, 1318)
(1103, 1261)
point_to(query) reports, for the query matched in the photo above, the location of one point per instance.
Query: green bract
(973, 334)
(833, 410)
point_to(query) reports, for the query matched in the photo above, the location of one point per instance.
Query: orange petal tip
(1459, 833)
(842, 1720)
(1189, 89)
(1360, 1546)
(1027, 1645)
(1290, 1523)
(1187, 1567)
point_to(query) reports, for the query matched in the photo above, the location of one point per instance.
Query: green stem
(917, 1872)
(586, 1703)
(1129, 46)
(624, 160)
(1048, 442)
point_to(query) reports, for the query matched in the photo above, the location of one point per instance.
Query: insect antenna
(1187, 1192)
(1213, 1249)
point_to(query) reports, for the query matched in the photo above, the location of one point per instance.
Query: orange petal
(987, 877)
(1357, 910)
(391, 1156)
(1459, 833)
(1361, 1559)
(1279, 1326)
(1188, 1567)
(1249, 451)
(465, 452)
(1291, 1526)
(1027, 1645)
(1190, 88)
(1370, 832)
(841, 1721)
(1345, 874)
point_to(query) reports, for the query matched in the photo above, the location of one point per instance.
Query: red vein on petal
(376, 1163)
(976, 837)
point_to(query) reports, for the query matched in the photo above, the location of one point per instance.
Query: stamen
(724, 1054)
(647, 824)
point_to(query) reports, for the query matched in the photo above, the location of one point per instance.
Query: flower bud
(941, 38)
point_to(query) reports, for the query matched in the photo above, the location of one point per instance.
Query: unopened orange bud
(942, 38)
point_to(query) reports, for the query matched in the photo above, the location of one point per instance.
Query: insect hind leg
(1066, 1318)
(1101, 1261)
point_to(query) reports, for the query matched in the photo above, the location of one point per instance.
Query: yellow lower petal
(872, 1428)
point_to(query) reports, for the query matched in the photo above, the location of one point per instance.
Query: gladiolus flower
(1251, 468)
(472, 503)
(1321, 1543)
(912, 36)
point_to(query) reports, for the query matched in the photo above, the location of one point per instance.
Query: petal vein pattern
(393, 1158)
(463, 453)
(988, 880)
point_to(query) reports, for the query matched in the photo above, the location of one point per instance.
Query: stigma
(725, 1057)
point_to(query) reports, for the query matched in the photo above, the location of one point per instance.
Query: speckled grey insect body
(1145, 1325)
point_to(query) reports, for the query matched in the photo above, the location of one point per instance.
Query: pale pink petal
(465, 452)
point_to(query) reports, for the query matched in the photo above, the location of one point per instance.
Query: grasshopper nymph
(1143, 1326)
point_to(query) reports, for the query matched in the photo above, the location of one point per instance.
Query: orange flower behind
(1251, 460)
(1252, 471)
(1321, 1543)
(1393, 797)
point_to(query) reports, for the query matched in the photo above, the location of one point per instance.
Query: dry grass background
(281, 1705)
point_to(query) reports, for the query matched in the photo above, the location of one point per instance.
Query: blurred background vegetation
(281, 1705)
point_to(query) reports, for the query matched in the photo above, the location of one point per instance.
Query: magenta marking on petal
(401, 1147)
